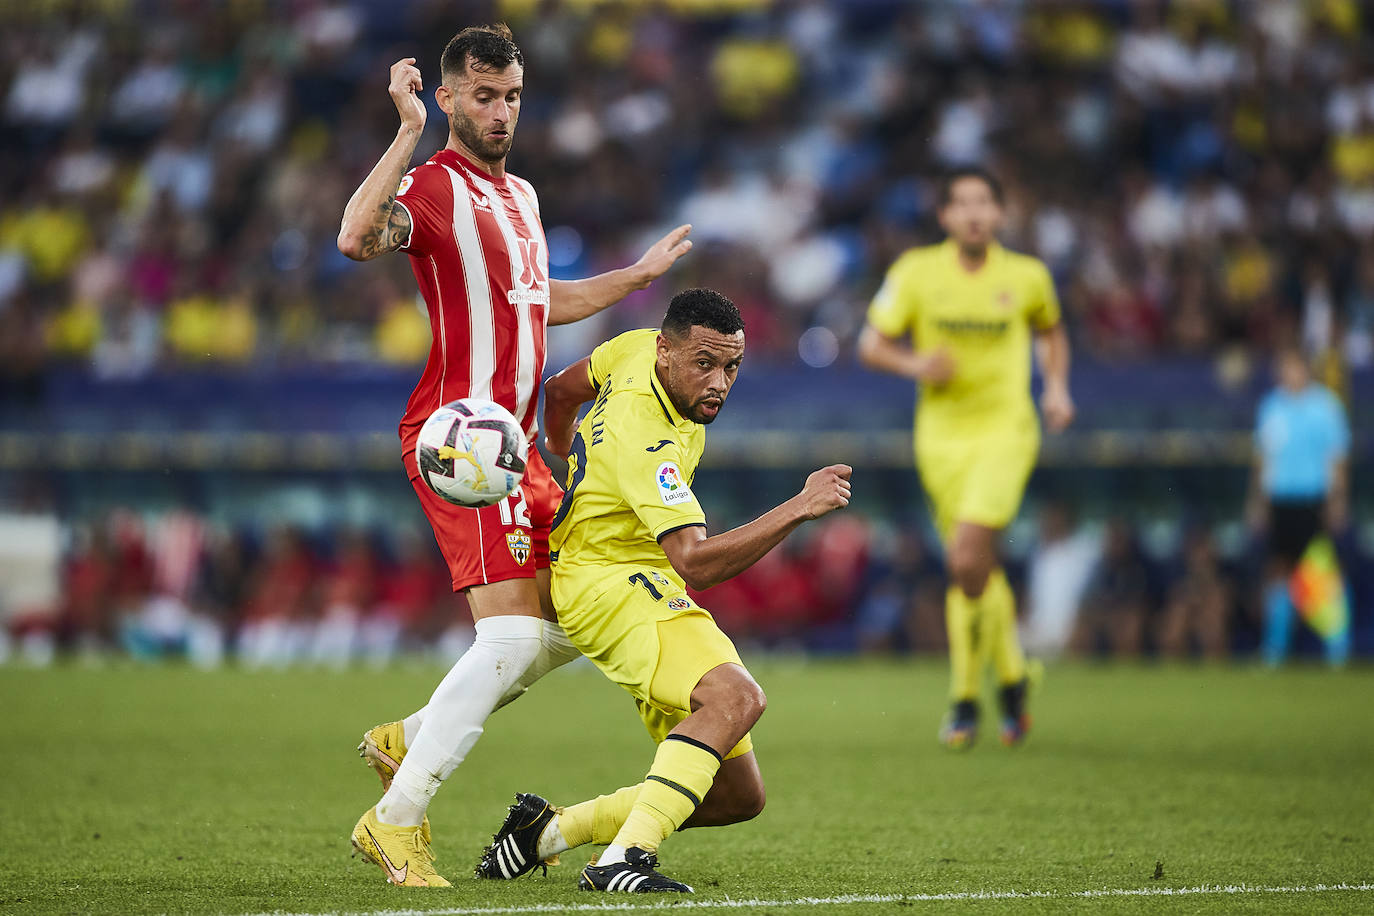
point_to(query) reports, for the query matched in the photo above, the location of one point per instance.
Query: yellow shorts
(978, 479)
(645, 633)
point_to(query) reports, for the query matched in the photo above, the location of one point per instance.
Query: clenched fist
(826, 490)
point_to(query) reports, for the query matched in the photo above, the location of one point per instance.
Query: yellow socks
(679, 779)
(982, 628)
(599, 820)
(966, 640)
(997, 606)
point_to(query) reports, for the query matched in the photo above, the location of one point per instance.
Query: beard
(698, 413)
(467, 132)
(975, 249)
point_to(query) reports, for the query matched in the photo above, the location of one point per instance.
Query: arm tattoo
(391, 230)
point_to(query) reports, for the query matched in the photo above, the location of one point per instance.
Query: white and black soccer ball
(472, 452)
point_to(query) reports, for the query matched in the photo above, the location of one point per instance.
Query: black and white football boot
(514, 849)
(638, 874)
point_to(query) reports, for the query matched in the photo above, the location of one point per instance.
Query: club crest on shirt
(518, 543)
(672, 488)
(1004, 299)
(679, 604)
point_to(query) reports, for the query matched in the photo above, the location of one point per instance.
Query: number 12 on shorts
(520, 515)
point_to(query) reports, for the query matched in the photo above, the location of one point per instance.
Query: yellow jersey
(630, 469)
(984, 319)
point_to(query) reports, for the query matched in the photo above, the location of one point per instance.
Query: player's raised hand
(663, 254)
(405, 84)
(935, 367)
(1057, 405)
(826, 490)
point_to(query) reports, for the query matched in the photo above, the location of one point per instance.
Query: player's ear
(445, 97)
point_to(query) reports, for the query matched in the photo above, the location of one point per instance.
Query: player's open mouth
(712, 406)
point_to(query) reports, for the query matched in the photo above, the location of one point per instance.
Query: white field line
(727, 904)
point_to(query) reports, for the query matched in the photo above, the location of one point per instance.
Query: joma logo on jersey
(519, 544)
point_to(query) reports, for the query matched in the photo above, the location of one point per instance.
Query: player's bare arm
(886, 354)
(706, 561)
(1052, 352)
(573, 300)
(564, 395)
(372, 223)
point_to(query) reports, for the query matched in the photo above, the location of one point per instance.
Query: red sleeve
(427, 194)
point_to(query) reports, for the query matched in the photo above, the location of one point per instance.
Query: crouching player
(627, 541)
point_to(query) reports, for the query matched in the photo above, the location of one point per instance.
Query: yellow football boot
(400, 852)
(383, 748)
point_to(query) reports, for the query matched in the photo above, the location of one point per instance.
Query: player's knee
(514, 641)
(752, 701)
(744, 705)
(969, 571)
(732, 692)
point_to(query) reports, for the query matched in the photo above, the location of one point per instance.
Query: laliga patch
(679, 604)
(406, 182)
(672, 486)
(519, 544)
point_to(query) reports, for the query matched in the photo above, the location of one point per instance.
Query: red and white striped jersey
(479, 255)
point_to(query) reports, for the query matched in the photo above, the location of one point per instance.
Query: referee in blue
(1299, 489)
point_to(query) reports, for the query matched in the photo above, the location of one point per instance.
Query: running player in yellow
(958, 318)
(628, 539)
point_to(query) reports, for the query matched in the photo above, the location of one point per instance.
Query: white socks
(491, 668)
(551, 841)
(612, 855)
(555, 650)
(411, 725)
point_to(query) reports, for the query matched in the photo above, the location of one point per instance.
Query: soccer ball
(471, 452)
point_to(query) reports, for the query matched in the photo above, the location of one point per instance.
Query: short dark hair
(488, 47)
(948, 180)
(701, 308)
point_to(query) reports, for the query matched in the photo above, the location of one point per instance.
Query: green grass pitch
(166, 790)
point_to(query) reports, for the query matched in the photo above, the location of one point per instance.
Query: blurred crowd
(1199, 174)
(177, 585)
